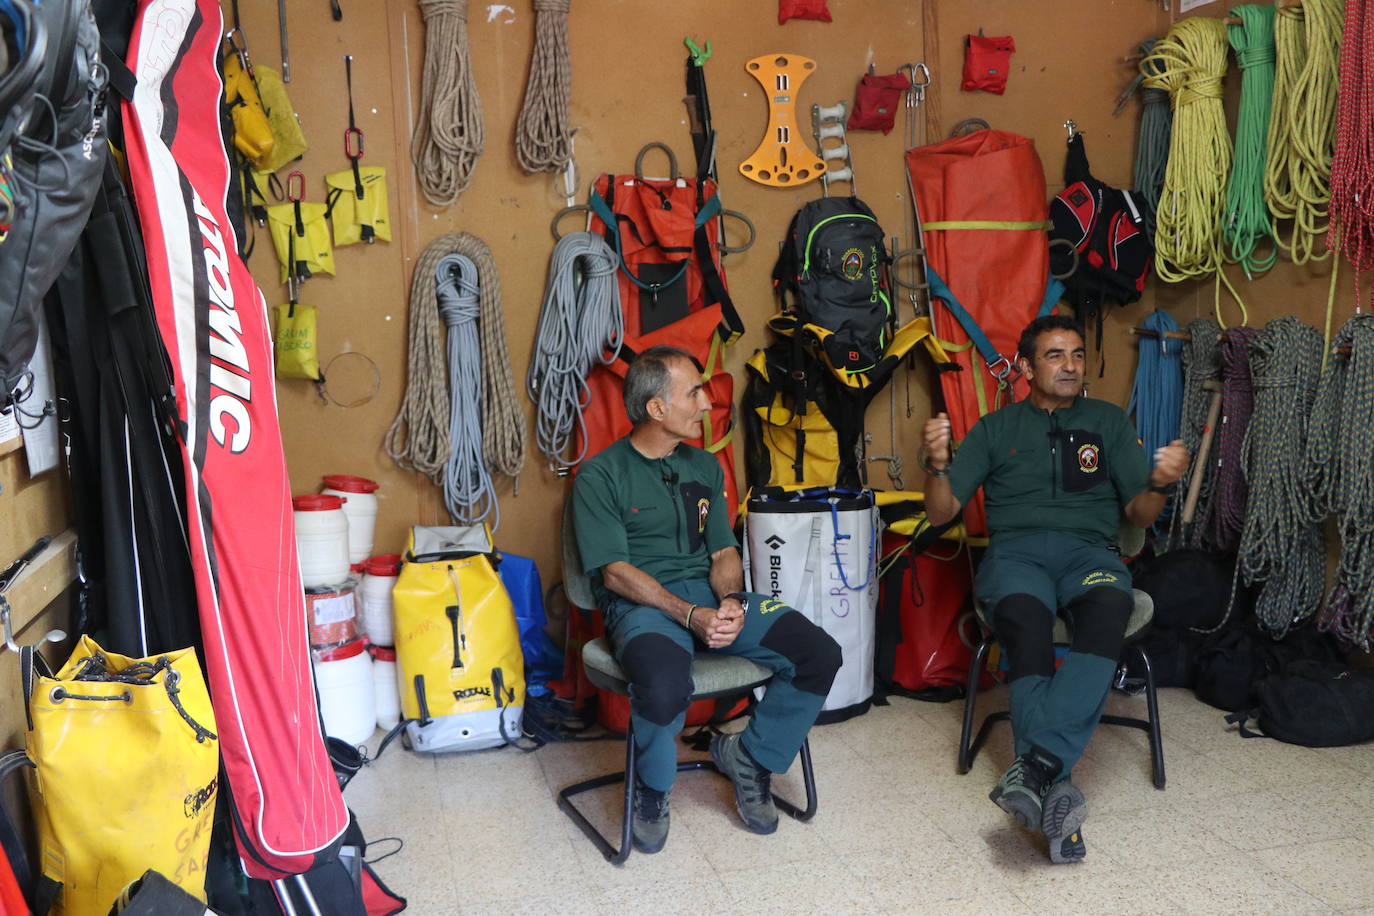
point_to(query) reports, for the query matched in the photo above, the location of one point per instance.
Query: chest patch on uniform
(1088, 457)
(703, 510)
(1081, 455)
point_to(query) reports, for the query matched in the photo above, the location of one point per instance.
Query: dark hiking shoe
(753, 794)
(1064, 811)
(649, 828)
(1021, 787)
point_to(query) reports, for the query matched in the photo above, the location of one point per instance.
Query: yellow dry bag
(358, 205)
(289, 139)
(300, 235)
(293, 341)
(458, 658)
(127, 767)
(252, 132)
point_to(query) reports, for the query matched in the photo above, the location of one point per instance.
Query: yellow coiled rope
(1189, 63)
(1302, 129)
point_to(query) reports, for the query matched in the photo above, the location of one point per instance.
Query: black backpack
(1314, 703)
(834, 263)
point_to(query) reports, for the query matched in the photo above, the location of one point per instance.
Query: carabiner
(916, 93)
(240, 46)
(353, 143)
(295, 187)
(1000, 368)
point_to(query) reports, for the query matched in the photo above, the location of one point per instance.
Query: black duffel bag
(1313, 703)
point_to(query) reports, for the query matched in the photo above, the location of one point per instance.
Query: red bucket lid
(314, 502)
(383, 653)
(348, 650)
(349, 483)
(387, 564)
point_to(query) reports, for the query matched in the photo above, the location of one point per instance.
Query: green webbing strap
(1037, 225)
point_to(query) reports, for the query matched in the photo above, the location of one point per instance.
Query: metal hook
(50, 636)
(1072, 128)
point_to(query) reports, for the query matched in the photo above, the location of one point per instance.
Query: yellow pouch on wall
(281, 117)
(127, 770)
(313, 253)
(458, 650)
(252, 132)
(293, 341)
(359, 219)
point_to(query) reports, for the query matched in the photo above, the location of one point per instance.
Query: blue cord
(1157, 395)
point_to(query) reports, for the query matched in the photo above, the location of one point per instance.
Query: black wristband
(1167, 490)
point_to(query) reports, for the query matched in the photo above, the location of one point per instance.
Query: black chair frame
(968, 749)
(617, 856)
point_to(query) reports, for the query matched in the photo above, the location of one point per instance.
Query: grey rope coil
(543, 139)
(1200, 365)
(1338, 455)
(1282, 545)
(468, 492)
(1152, 150)
(418, 439)
(1230, 493)
(580, 326)
(449, 135)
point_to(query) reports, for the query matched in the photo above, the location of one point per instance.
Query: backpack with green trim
(834, 263)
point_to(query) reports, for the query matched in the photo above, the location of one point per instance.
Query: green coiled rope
(1247, 222)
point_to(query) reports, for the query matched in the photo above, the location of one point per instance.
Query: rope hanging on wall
(1282, 545)
(449, 136)
(419, 437)
(580, 326)
(1230, 492)
(543, 139)
(1189, 63)
(1152, 150)
(1157, 393)
(1200, 366)
(1338, 451)
(1247, 221)
(1352, 168)
(1297, 181)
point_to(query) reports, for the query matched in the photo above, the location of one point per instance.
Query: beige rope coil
(1302, 129)
(543, 139)
(418, 439)
(449, 136)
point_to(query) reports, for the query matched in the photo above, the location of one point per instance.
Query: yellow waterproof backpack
(458, 657)
(127, 770)
(359, 217)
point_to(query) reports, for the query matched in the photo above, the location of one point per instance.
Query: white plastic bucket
(343, 677)
(331, 613)
(360, 507)
(384, 687)
(321, 540)
(374, 597)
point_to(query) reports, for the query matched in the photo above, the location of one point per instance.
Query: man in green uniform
(654, 533)
(1058, 472)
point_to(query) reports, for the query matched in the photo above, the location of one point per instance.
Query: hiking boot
(1062, 822)
(649, 827)
(1021, 787)
(753, 794)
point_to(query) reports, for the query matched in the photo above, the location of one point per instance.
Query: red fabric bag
(986, 61)
(803, 9)
(876, 101)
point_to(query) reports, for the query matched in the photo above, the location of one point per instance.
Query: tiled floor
(1245, 826)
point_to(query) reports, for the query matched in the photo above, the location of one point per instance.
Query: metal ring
(376, 385)
(57, 694)
(1073, 251)
(968, 126)
(553, 226)
(672, 160)
(753, 232)
(897, 280)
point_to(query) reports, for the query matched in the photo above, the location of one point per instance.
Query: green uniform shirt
(1073, 470)
(665, 516)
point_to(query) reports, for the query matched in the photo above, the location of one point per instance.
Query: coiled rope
(1152, 151)
(419, 437)
(543, 139)
(1247, 221)
(1352, 167)
(1297, 180)
(1231, 490)
(580, 326)
(449, 135)
(1339, 451)
(1200, 366)
(1282, 545)
(1189, 63)
(468, 493)
(1157, 395)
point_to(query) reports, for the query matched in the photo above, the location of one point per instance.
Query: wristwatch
(924, 461)
(1168, 489)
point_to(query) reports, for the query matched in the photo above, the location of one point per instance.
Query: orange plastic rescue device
(783, 159)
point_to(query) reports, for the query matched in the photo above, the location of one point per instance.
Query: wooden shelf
(41, 581)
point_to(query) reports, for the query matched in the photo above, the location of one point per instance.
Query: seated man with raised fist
(1058, 471)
